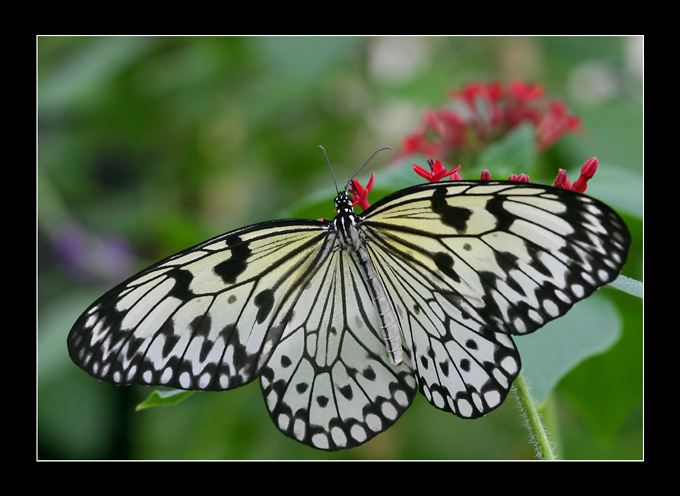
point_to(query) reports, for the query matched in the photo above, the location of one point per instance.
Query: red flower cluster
(483, 112)
(561, 181)
(438, 172)
(480, 114)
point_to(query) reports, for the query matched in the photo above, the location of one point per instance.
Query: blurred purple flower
(91, 257)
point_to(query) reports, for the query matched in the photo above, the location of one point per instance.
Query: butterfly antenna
(367, 161)
(331, 168)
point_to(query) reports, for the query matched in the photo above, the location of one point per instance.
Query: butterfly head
(343, 203)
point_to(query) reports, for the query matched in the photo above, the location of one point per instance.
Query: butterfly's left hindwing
(206, 318)
(330, 383)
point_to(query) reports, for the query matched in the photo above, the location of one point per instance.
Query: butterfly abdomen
(351, 241)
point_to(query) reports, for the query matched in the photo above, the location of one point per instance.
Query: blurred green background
(147, 145)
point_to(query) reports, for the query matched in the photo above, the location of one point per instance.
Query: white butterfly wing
(330, 383)
(207, 318)
(468, 264)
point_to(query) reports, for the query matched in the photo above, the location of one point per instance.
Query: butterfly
(345, 320)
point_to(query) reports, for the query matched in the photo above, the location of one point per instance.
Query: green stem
(533, 420)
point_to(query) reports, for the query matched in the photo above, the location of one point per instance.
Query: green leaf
(591, 327)
(515, 153)
(164, 398)
(608, 390)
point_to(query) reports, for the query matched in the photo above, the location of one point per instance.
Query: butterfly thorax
(345, 223)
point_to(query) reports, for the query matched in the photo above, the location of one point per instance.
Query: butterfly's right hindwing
(207, 318)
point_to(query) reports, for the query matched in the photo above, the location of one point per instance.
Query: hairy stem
(537, 431)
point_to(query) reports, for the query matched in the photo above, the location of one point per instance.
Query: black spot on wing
(264, 300)
(200, 325)
(181, 289)
(496, 207)
(444, 263)
(369, 373)
(230, 269)
(171, 337)
(456, 217)
(346, 391)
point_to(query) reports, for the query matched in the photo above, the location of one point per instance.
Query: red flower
(446, 124)
(471, 92)
(361, 194)
(524, 92)
(587, 172)
(555, 124)
(416, 143)
(482, 106)
(437, 171)
(519, 106)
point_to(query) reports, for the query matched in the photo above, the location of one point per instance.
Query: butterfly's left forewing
(206, 318)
